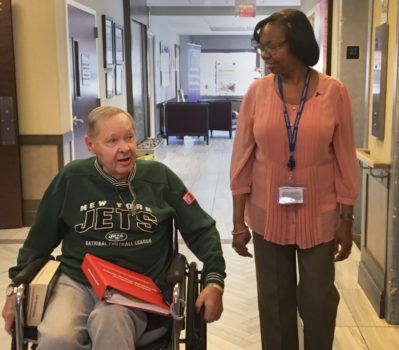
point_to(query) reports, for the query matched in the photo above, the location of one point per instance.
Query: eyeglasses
(270, 48)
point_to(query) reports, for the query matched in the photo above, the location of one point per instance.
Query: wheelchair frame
(186, 281)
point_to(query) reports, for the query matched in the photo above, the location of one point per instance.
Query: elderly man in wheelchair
(114, 193)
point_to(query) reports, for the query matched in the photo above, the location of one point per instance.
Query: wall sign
(193, 72)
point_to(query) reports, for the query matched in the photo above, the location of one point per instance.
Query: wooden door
(10, 171)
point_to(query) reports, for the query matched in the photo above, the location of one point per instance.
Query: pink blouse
(325, 158)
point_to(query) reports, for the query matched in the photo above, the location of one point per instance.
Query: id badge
(290, 194)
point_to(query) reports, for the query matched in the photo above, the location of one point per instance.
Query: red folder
(118, 285)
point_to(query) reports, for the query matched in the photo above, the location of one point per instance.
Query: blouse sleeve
(243, 154)
(346, 170)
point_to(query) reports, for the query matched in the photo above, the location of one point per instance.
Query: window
(227, 74)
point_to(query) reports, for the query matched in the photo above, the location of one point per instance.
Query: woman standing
(294, 181)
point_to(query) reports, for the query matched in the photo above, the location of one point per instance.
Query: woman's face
(114, 144)
(274, 48)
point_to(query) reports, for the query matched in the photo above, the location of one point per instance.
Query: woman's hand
(343, 240)
(240, 242)
(8, 313)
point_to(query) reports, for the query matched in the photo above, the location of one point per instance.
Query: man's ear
(89, 144)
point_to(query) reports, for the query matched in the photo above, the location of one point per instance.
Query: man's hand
(211, 299)
(343, 241)
(8, 313)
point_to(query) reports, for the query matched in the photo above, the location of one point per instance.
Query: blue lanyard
(292, 133)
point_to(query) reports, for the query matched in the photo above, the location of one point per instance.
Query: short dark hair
(299, 34)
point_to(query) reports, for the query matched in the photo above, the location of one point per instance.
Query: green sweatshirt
(88, 211)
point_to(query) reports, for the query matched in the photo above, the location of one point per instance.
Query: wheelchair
(185, 283)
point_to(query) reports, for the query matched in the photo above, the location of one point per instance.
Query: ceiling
(215, 3)
(210, 17)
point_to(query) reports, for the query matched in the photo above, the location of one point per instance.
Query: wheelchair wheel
(195, 323)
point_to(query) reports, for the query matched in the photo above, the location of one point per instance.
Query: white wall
(169, 38)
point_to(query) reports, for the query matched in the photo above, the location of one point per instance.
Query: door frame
(151, 82)
(177, 68)
(392, 282)
(143, 41)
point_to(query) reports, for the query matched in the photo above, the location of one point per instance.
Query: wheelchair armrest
(175, 272)
(30, 270)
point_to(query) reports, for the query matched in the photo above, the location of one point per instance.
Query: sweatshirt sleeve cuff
(214, 277)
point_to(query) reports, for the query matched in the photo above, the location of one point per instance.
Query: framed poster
(109, 84)
(118, 79)
(108, 41)
(119, 47)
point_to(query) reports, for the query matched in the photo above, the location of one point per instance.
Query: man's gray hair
(101, 113)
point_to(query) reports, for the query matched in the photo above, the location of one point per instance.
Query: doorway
(84, 72)
(151, 81)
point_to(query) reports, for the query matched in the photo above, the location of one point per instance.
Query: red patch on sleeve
(189, 198)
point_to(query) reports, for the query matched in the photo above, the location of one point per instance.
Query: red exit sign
(246, 11)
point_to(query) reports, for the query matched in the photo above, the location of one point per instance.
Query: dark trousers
(280, 296)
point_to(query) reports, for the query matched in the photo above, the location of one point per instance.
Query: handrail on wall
(371, 164)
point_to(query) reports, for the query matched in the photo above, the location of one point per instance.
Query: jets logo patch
(189, 198)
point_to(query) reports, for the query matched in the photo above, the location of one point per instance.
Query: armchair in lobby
(221, 117)
(187, 119)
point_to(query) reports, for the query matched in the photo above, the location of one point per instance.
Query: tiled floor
(205, 169)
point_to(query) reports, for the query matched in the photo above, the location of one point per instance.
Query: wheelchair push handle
(176, 270)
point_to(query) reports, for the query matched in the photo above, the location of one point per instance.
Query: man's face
(114, 144)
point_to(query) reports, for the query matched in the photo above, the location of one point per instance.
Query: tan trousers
(280, 296)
